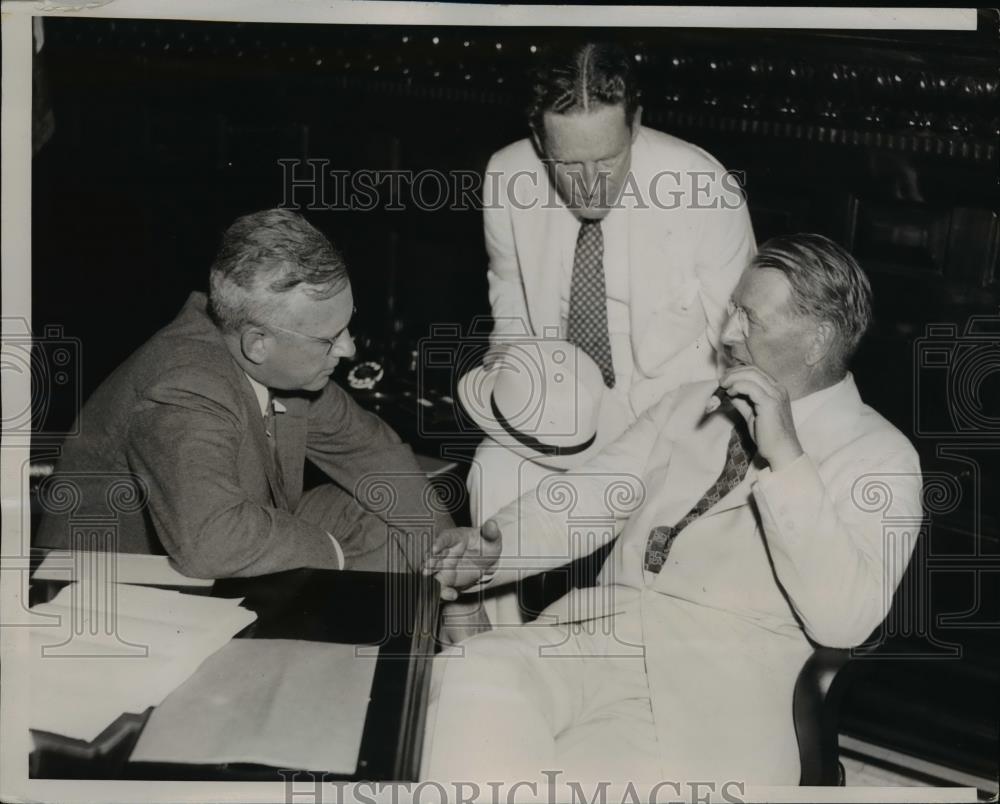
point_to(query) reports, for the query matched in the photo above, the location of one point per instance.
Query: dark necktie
(280, 500)
(587, 325)
(739, 455)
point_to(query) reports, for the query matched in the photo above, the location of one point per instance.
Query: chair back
(816, 707)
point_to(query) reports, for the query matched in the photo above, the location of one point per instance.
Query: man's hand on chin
(459, 557)
(768, 412)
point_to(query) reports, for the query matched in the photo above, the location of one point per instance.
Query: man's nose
(591, 176)
(731, 332)
(344, 347)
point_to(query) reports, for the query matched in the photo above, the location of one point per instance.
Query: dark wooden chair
(816, 710)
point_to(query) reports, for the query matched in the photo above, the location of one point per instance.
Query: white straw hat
(546, 400)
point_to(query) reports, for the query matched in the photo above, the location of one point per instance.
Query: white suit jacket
(689, 239)
(810, 554)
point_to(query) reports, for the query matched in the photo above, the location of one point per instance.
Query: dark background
(166, 131)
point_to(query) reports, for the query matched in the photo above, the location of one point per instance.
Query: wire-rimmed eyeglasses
(330, 342)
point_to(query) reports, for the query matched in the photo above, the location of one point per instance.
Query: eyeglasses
(330, 342)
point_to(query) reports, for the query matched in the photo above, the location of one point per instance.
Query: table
(397, 612)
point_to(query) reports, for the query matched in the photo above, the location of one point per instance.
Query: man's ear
(824, 338)
(636, 122)
(537, 139)
(255, 343)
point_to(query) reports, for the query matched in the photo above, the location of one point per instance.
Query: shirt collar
(804, 407)
(264, 397)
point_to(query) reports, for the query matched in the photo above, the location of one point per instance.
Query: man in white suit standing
(620, 239)
(773, 512)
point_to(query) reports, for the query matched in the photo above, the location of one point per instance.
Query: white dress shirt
(802, 408)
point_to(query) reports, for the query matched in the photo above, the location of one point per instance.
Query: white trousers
(508, 705)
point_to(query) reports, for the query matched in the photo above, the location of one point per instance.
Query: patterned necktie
(739, 455)
(280, 499)
(587, 326)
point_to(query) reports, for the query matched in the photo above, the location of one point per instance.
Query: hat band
(533, 443)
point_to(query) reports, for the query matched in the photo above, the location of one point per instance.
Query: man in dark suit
(212, 419)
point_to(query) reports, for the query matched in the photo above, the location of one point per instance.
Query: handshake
(460, 557)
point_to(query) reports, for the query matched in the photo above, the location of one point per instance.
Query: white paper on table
(60, 565)
(120, 651)
(284, 703)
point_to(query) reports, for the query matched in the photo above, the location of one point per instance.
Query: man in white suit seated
(757, 531)
(620, 239)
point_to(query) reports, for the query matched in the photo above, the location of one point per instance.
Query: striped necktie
(587, 325)
(739, 456)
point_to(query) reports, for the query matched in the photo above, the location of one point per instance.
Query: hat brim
(475, 392)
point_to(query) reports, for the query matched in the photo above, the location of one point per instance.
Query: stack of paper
(281, 702)
(70, 565)
(119, 648)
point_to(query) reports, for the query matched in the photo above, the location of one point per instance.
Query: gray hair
(827, 284)
(263, 256)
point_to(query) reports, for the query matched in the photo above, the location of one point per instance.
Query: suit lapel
(540, 221)
(739, 494)
(652, 279)
(259, 437)
(644, 288)
(697, 464)
(194, 322)
(697, 461)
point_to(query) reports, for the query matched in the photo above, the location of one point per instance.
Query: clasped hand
(461, 556)
(767, 409)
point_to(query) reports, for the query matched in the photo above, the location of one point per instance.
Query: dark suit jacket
(181, 418)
